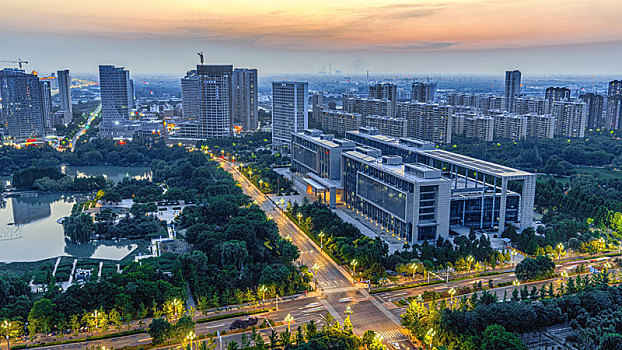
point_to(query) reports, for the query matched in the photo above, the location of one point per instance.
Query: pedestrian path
(56, 266)
(391, 335)
(332, 290)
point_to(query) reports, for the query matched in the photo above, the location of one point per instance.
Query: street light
(7, 326)
(607, 266)
(321, 235)
(414, 267)
(348, 310)
(176, 302)
(289, 319)
(289, 238)
(430, 334)
(451, 292)
(354, 263)
(315, 268)
(560, 250)
(95, 315)
(190, 337)
(470, 261)
(419, 300)
(299, 217)
(262, 290)
(513, 253)
(516, 283)
(564, 274)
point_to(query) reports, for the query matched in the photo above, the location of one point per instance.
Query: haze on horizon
(417, 37)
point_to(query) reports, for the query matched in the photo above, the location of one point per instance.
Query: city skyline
(456, 36)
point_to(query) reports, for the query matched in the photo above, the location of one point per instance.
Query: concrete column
(333, 197)
(494, 197)
(526, 201)
(504, 199)
(481, 218)
(466, 178)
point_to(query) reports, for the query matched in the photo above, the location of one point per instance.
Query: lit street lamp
(321, 235)
(560, 250)
(419, 300)
(564, 274)
(289, 319)
(299, 217)
(354, 263)
(315, 268)
(470, 261)
(348, 310)
(452, 292)
(95, 315)
(516, 283)
(262, 290)
(7, 329)
(414, 267)
(430, 334)
(190, 338)
(513, 253)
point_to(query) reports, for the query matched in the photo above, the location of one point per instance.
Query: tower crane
(19, 62)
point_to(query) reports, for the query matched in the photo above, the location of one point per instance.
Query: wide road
(337, 289)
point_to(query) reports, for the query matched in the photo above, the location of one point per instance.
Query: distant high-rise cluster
(512, 89)
(25, 105)
(423, 91)
(614, 104)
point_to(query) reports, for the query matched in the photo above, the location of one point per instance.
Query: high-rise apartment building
(532, 106)
(338, 121)
(512, 89)
(423, 92)
(390, 126)
(571, 118)
(46, 92)
(383, 91)
(541, 126)
(595, 104)
(215, 100)
(64, 92)
(190, 93)
(289, 112)
(25, 104)
(245, 107)
(614, 104)
(556, 93)
(473, 126)
(513, 127)
(428, 121)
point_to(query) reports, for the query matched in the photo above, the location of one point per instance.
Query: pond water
(29, 228)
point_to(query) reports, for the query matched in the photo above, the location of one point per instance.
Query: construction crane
(19, 62)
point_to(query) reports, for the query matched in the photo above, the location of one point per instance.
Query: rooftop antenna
(200, 56)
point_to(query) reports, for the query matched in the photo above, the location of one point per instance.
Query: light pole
(190, 337)
(315, 268)
(321, 235)
(299, 217)
(430, 334)
(419, 300)
(560, 250)
(7, 329)
(451, 292)
(289, 319)
(353, 263)
(289, 238)
(262, 290)
(348, 310)
(95, 315)
(513, 253)
(516, 283)
(176, 302)
(607, 266)
(470, 261)
(564, 274)
(414, 267)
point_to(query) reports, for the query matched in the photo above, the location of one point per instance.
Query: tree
(233, 346)
(368, 337)
(496, 337)
(159, 330)
(41, 316)
(533, 269)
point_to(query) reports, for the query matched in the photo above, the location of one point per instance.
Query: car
(345, 300)
(396, 345)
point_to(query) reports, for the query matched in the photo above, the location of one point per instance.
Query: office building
(595, 104)
(116, 94)
(215, 100)
(512, 90)
(390, 126)
(289, 112)
(25, 104)
(190, 95)
(245, 107)
(318, 157)
(423, 92)
(409, 201)
(614, 105)
(571, 118)
(383, 91)
(512, 127)
(479, 190)
(338, 122)
(64, 93)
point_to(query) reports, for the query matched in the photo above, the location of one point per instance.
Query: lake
(29, 228)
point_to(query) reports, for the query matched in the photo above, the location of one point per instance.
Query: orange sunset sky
(452, 36)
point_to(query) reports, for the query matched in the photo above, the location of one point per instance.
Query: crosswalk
(391, 334)
(332, 290)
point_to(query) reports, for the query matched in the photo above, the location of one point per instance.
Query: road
(334, 281)
(86, 125)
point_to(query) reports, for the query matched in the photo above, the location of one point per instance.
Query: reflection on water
(29, 230)
(114, 173)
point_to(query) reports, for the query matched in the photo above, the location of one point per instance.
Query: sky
(294, 36)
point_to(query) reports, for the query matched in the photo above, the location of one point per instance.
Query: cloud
(418, 46)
